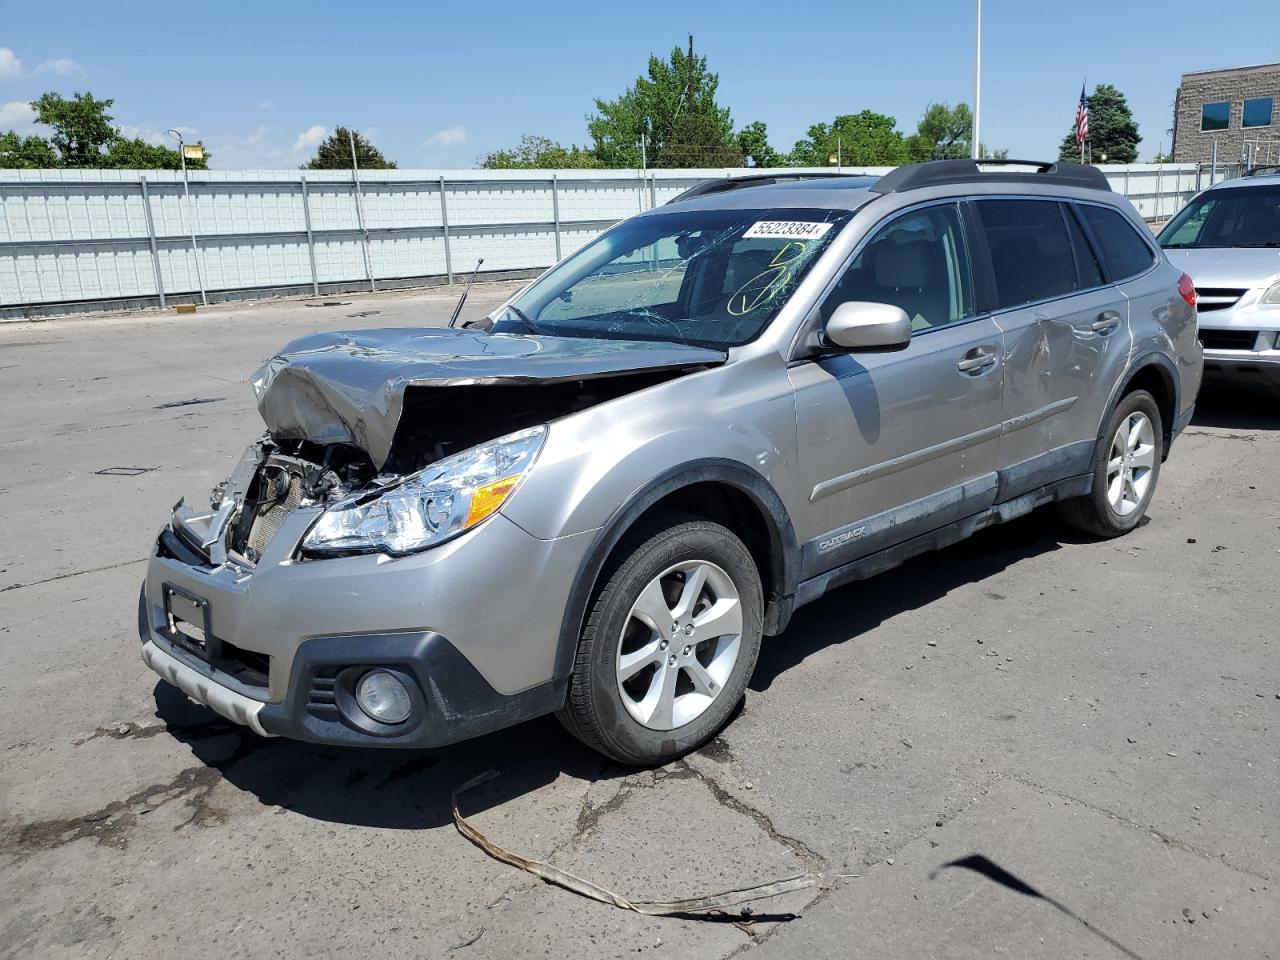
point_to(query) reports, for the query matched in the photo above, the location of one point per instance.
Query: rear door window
(1031, 253)
(1087, 268)
(1124, 253)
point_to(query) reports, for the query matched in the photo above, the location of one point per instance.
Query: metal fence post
(555, 210)
(311, 242)
(151, 236)
(653, 190)
(444, 220)
(364, 233)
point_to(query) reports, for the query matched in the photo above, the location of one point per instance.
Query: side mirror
(860, 325)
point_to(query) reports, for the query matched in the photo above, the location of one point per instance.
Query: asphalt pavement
(1029, 744)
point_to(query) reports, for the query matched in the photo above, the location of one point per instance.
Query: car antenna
(465, 290)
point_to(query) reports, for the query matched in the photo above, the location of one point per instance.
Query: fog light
(383, 697)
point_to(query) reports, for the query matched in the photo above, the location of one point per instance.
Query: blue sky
(438, 85)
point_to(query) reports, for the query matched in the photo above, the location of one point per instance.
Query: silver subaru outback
(599, 500)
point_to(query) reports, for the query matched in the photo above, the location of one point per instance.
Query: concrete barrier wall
(80, 240)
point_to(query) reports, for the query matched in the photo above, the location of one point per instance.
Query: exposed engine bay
(278, 477)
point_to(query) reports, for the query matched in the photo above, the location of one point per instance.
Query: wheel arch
(1155, 373)
(724, 491)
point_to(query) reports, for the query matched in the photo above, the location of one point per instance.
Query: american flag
(1082, 118)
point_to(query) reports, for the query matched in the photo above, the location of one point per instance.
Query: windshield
(711, 278)
(1240, 217)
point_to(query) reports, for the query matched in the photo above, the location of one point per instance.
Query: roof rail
(1262, 170)
(936, 172)
(751, 180)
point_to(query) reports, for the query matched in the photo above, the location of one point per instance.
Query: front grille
(247, 666)
(1228, 339)
(1217, 298)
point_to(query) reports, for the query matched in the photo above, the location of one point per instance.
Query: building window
(1215, 116)
(1257, 113)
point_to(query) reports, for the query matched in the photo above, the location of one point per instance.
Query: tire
(676, 695)
(1101, 512)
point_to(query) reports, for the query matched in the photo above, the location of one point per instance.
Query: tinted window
(917, 262)
(1087, 269)
(1257, 112)
(1030, 251)
(1124, 253)
(1215, 116)
(1229, 217)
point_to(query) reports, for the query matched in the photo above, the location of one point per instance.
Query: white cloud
(134, 132)
(448, 137)
(62, 67)
(155, 137)
(264, 104)
(309, 138)
(17, 115)
(10, 65)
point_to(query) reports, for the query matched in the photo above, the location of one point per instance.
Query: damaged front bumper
(469, 627)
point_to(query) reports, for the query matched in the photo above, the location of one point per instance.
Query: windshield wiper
(528, 324)
(1264, 243)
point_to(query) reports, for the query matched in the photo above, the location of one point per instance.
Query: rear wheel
(1126, 466)
(670, 643)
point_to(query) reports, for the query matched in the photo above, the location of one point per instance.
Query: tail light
(1187, 289)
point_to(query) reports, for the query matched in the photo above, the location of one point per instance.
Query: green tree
(697, 140)
(539, 153)
(943, 133)
(652, 107)
(753, 141)
(82, 128)
(26, 153)
(1112, 130)
(858, 139)
(137, 154)
(334, 153)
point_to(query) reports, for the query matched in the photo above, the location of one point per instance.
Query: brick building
(1238, 108)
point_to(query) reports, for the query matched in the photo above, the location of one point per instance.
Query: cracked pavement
(1027, 744)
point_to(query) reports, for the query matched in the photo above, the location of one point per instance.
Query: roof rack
(751, 180)
(936, 172)
(1262, 170)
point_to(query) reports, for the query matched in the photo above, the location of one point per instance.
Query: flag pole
(1083, 88)
(975, 148)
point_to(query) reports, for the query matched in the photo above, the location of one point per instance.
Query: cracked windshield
(709, 278)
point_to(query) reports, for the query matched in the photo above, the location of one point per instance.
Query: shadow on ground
(1226, 404)
(847, 613)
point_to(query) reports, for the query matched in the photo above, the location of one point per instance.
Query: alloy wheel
(679, 644)
(1133, 458)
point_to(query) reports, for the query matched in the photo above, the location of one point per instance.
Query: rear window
(1124, 253)
(1030, 250)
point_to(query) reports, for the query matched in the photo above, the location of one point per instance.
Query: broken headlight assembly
(431, 506)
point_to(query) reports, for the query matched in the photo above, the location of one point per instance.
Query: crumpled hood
(1229, 267)
(349, 387)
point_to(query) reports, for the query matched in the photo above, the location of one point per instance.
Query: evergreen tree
(1113, 132)
(334, 153)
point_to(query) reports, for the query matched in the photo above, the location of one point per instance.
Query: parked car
(1228, 239)
(715, 412)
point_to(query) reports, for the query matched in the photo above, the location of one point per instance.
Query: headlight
(431, 506)
(1272, 295)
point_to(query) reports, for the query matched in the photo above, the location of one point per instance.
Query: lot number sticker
(787, 229)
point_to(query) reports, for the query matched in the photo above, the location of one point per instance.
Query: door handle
(976, 360)
(1106, 321)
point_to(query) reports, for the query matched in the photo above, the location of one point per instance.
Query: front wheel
(1126, 466)
(670, 643)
